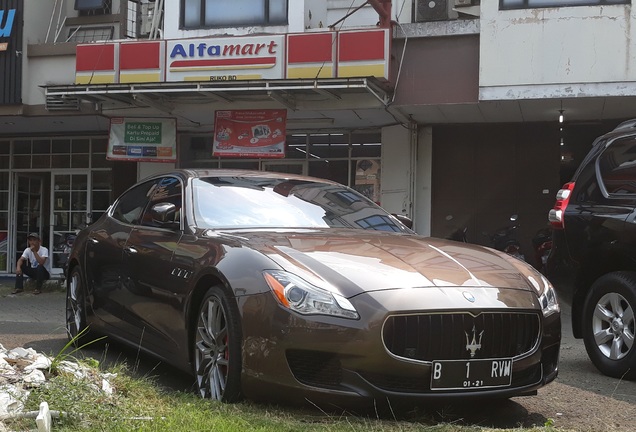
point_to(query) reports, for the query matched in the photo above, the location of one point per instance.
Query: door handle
(130, 250)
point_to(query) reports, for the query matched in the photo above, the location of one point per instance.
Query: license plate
(471, 374)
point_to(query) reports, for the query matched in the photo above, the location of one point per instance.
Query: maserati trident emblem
(473, 345)
(468, 296)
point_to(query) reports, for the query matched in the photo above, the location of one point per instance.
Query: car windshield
(257, 202)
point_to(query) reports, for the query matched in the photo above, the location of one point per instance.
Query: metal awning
(287, 92)
(348, 102)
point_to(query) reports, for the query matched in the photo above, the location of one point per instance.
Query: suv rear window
(617, 167)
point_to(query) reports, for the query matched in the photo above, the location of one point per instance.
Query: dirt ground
(581, 399)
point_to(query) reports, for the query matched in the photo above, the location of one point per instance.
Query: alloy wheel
(212, 349)
(613, 326)
(74, 306)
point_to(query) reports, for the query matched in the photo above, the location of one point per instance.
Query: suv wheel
(608, 324)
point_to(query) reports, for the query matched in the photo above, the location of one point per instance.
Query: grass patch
(140, 404)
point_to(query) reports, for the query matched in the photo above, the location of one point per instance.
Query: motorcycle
(63, 246)
(542, 243)
(503, 239)
(459, 234)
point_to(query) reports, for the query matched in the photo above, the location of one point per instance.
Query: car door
(104, 251)
(598, 223)
(149, 285)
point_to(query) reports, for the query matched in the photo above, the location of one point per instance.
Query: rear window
(617, 167)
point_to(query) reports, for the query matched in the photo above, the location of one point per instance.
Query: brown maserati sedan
(275, 286)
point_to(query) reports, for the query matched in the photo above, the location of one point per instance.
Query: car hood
(358, 261)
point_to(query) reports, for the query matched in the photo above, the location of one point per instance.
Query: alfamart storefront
(255, 89)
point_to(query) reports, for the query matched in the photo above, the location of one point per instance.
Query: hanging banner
(143, 139)
(250, 133)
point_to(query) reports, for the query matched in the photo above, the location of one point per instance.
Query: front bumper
(324, 359)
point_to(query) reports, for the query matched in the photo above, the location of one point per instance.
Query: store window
(349, 158)
(238, 13)
(531, 4)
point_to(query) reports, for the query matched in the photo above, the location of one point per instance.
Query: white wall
(556, 46)
(396, 170)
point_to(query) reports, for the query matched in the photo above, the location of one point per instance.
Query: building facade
(445, 111)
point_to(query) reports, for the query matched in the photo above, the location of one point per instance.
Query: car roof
(201, 173)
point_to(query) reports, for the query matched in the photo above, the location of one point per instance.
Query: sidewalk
(30, 320)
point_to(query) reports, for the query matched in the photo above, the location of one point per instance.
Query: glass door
(28, 210)
(69, 214)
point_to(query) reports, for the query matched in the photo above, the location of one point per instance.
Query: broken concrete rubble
(22, 369)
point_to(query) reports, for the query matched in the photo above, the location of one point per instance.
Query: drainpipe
(383, 8)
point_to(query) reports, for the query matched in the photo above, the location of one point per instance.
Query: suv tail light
(562, 198)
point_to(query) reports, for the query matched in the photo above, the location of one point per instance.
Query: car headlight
(300, 296)
(548, 300)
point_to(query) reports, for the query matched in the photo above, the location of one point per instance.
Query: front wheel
(609, 324)
(217, 347)
(76, 324)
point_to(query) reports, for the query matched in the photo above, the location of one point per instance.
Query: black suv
(593, 257)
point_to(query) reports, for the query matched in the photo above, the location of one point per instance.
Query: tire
(608, 324)
(217, 347)
(76, 324)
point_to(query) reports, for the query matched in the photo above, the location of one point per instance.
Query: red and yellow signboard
(341, 54)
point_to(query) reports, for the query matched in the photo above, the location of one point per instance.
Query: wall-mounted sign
(250, 133)
(225, 59)
(351, 53)
(6, 23)
(143, 139)
(11, 50)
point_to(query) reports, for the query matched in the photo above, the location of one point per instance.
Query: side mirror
(164, 214)
(406, 221)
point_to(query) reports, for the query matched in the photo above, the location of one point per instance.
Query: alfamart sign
(225, 59)
(342, 54)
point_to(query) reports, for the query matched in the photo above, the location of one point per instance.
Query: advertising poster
(250, 133)
(142, 139)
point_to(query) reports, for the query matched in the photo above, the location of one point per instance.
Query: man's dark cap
(34, 235)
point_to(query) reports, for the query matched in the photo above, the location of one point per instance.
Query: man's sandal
(36, 291)
(17, 291)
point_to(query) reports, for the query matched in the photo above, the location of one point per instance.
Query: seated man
(34, 263)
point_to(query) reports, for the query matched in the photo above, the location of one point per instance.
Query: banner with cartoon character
(250, 133)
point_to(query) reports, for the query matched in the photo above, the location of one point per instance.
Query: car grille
(447, 336)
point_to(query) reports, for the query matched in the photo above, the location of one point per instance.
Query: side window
(617, 167)
(131, 205)
(167, 190)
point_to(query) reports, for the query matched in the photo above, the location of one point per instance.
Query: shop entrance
(54, 205)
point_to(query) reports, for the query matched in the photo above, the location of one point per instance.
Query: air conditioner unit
(432, 10)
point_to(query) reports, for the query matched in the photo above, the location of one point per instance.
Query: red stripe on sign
(90, 58)
(310, 48)
(225, 62)
(144, 55)
(353, 46)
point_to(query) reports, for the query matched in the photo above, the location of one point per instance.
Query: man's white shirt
(43, 252)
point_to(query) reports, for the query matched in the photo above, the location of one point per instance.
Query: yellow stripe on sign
(139, 77)
(94, 79)
(310, 72)
(361, 71)
(220, 79)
